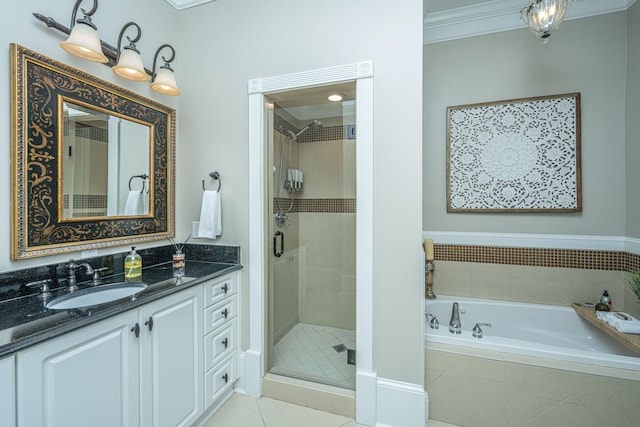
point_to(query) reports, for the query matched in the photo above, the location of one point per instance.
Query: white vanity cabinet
(139, 368)
(86, 377)
(7, 391)
(220, 339)
(171, 359)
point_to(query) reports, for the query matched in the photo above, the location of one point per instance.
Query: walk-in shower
(311, 259)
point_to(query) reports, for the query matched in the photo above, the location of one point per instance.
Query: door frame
(254, 363)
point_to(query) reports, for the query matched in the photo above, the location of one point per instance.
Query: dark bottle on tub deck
(605, 298)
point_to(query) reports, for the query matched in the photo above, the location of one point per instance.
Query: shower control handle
(275, 243)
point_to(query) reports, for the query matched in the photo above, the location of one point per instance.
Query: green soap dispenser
(133, 266)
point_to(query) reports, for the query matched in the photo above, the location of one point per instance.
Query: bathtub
(536, 330)
(536, 365)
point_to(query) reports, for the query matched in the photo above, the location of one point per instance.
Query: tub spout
(454, 323)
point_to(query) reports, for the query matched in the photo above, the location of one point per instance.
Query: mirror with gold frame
(93, 164)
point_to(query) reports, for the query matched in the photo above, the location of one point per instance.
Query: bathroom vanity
(167, 356)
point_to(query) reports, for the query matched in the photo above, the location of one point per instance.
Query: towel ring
(144, 177)
(216, 176)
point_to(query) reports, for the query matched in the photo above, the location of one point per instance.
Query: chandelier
(544, 16)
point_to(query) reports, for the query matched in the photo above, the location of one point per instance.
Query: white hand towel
(145, 203)
(210, 215)
(134, 204)
(623, 322)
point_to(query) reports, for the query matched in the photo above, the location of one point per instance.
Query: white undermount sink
(94, 296)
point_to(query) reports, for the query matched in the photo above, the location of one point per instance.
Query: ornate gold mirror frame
(39, 85)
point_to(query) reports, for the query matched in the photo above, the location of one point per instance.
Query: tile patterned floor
(309, 350)
(244, 411)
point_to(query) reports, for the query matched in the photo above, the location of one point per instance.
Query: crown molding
(502, 15)
(185, 4)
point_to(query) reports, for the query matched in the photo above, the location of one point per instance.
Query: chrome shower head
(314, 125)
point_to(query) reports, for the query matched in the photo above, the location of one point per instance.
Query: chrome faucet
(454, 323)
(72, 267)
(433, 324)
(477, 330)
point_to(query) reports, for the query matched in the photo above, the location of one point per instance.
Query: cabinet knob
(225, 313)
(225, 342)
(136, 329)
(225, 377)
(225, 288)
(149, 323)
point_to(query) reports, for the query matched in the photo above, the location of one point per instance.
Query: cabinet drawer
(218, 344)
(216, 315)
(219, 379)
(217, 290)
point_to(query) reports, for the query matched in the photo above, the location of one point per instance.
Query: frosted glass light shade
(544, 16)
(84, 42)
(130, 66)
(165, 82)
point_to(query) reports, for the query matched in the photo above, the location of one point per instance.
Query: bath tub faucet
(454, 323)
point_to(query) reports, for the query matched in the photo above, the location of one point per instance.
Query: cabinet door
(7, 391)
(171, 360)
(86, 377)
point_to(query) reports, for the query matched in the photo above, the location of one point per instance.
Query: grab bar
(275, 241)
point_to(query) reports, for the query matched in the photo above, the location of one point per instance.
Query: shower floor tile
(309, 349)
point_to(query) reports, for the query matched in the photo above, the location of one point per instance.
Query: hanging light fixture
(84, 41)
(544, 16)
(129, 63)
(163, 80)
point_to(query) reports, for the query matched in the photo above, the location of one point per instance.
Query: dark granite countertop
(25, 321)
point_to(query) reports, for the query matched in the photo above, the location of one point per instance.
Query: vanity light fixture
(336, 97)
(126, 62)
(83, 40)
(129, 63)
(163, 80)
(544, 16)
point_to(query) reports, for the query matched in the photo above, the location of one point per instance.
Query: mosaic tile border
(326, 133)
(318, 205)
(539, 257)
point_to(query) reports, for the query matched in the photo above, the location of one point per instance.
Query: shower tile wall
(320, 242)
(327, 292)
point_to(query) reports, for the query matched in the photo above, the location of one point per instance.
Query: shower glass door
(312, 234)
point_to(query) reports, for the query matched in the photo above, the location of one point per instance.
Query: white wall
(633, 121)
(220, 46)
(587, 56)
(230, 42)
(20, 26)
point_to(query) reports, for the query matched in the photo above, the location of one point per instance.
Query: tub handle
(477, 330)
(433, 324)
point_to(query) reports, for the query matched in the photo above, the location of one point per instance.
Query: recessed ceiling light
(336, 97)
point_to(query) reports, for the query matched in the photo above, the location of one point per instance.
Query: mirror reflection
(92, 164)
(105, 168)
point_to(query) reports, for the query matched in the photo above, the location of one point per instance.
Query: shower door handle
(275, 243)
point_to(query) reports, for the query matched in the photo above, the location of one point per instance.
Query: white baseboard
(550, 241)
(366, 386)
(400, 404)
(251, 371)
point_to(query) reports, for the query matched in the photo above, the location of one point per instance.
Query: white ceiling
(454, 19)
(311, 103)
(184, 4)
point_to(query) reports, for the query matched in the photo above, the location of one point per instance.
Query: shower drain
(340, 348)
